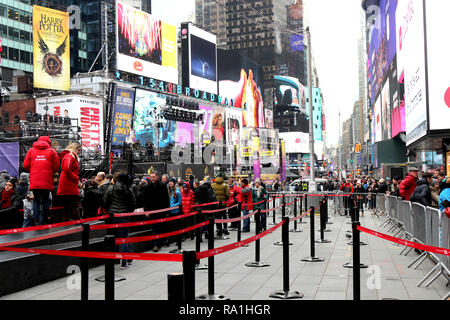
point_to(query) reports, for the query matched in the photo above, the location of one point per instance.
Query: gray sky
(335, 28)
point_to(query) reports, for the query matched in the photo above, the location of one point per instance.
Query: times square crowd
(49, 191)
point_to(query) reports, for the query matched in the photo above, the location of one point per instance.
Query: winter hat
(24, 177)
(173, 180)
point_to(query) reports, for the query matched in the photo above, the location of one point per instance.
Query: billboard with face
(234, 125)
(386, 111)
(218, 125)
(205, 126)
(145, 45)
(241, 79)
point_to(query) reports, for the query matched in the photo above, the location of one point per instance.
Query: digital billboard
(234, 125)
(382, 44)
(386, 111)
(199, 58)
(145, 45)
(88, 111)
(205, 126)
(438, 64)
(269, 118)
(397, 101)
(378, 120)
(51, 49)
(123, 114)
(289, 92)
(411, 66)
(218, 125)
(241, 79)
(146, 106)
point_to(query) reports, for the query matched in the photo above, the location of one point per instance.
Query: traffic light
(358, 148)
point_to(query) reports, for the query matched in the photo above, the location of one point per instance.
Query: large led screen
(382, 44)
(241, 79)
(386, 111)
(438, 63)
(411, 66)
(145, 45)
(202, 59)
(205, 126)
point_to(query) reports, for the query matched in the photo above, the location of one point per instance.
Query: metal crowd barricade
(404, 210)
(445, 228)
(418, 224)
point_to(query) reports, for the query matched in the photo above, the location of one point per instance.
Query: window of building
(5, 52)
(24, 17)
(3, 10)
(3, 31)
(25, 57)
(13, 14)
(13, 54)
(13, 33)
(25, 36)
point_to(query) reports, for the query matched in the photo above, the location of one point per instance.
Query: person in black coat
(383, 187)
(422, 193)
(92, 199)
(155, 196)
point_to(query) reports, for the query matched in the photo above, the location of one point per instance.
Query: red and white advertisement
(85, 112)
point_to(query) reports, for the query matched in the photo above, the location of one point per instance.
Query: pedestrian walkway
(389, 277)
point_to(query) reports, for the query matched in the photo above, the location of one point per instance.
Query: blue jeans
(246, 221)
(41, 197)
(29, 222)
(122, 233)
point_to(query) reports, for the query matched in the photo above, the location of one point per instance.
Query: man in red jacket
(409, 184)
(42, 162)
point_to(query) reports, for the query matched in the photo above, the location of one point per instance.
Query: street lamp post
(312, 183)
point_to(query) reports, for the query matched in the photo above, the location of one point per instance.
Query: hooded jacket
(119, 198)
(42, 163)
(407, 187)
(422, 193)
(187, 198)
(68, 181)
(221, 190)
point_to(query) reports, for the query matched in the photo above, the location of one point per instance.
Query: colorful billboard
(123, 114)
(382, 44)
(146, 107)
(145, 45)
(438, 64)
(234, 125)
(377, 120)
(411, 67)
(199, 58)
(241, 79)
(386, 111)
(398, 102)
(205, 126)
(268, 118)
(88, 111)
(51, 49)
(289, 92)
(218, 125)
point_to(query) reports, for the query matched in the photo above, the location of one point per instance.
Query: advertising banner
(438, 64)
(397, 101)
(411, 66)
(88, 111)
(269, 118)
(199, 58)
(234, 125)
(145, 45)
(386, 111)
(146, 107)
(205, 129)
(296, 142)
(51, 49)
(184, 134)
(241, 79)
(378, 120)
(9, 158)
(218, 125)
(382, 47)
(123, 114)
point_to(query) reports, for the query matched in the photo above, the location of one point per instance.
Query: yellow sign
(51, 49)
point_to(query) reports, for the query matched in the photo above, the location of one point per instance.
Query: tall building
(16, 33)
(265, 32)
(212, 16)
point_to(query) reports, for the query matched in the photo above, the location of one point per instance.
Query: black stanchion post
(85, 262)
(355, 218)
(110, 243)
(286, 293)
(301, 209)
(211, 289)
(257, 263)
(326, 212)
(295, 215)
(356, 263)
(266, 206)
(322, 223)
(189, 261)
(283, 213)
(175, 287)
(198, 238)
(274, 211)
(313, 257)
(356, 242)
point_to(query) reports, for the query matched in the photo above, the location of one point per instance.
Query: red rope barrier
(235, 219)
(44, 237)
(53, 225)
(407, 243)
(141, 223)
(216, 251)
(147, 213)
(101, 255)
(270, 210)
(159, 236)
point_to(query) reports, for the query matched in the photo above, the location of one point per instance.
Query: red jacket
(407, 187)
(68, 182)
(246, 198)
(347, 188)
(235, 190)
(187, 199)
(42, 163)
